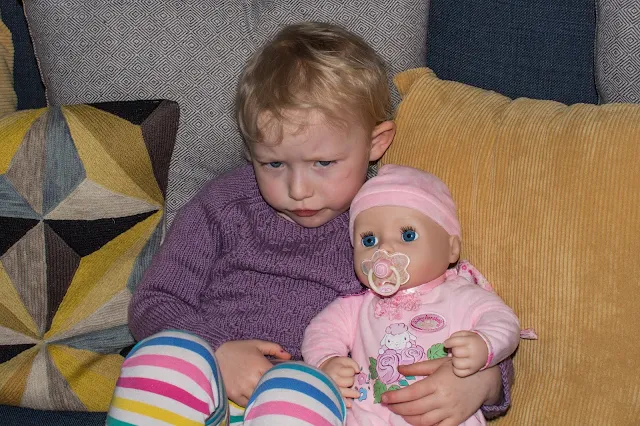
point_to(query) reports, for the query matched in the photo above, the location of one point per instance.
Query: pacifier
(386, 272)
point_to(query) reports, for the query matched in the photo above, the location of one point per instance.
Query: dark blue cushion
(26, 75)
(17, 416)
(539, 49)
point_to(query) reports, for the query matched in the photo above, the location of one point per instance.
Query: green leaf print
(436, 351)
(378, 389)
(393, 387)
(373, 364)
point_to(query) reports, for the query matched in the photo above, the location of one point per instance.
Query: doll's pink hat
(407, 187)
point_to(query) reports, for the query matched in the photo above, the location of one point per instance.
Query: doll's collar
(427, 287)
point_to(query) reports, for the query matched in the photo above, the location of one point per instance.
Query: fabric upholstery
(548, 201)
(27, 83)
(193, 52)
(618, 50)
(82, 192)
(8, 101)
(538, 49)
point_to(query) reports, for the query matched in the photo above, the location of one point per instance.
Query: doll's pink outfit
(382, 333)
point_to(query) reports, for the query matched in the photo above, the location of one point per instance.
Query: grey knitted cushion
(192, 51)
(618, 51)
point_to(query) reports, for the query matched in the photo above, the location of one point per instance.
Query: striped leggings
(172, 378)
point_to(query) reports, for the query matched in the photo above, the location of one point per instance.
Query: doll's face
(403, 230)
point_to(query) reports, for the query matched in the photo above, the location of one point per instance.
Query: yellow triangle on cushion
(13, 376)
(91, 376)
(113, 152)
(91, 201)
(13, 313)
(101, 275)
(13, 128)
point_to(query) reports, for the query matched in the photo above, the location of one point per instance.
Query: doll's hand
(343, 370)
(243, 363)
(469, 352)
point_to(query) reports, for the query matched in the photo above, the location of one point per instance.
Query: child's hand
(343, 371)
(469, 352)
(442, 398)
(243, 363)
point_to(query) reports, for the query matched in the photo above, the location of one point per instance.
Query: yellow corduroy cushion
(8, 100)
(549, 202)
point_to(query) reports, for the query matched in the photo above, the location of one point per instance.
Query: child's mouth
(305, 213)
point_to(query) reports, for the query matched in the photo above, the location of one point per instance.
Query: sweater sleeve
(494, 321)
(332, 331)
(506, 372)
(168, 297)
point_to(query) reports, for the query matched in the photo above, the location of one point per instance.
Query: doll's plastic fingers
(454, 342)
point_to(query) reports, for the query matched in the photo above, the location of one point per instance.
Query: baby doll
(406, 237)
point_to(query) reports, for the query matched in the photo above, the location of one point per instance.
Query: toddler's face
(403, 230)
(311, 174)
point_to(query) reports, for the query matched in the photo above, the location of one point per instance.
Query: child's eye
(409, 234)
(274, 164)
(324, 163)
(369, 240)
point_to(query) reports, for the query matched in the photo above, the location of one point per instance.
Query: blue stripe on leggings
(181, 343)
(299, 386)
(318, 375)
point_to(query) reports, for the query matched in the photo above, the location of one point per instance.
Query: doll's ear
(454, 248)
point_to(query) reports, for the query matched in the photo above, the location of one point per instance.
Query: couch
(525, 108)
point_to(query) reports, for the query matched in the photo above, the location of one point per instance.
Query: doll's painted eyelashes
(409, 234)
(368, 239)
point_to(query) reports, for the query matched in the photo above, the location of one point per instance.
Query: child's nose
(300, 188)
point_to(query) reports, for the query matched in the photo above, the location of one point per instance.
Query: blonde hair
(312, 66)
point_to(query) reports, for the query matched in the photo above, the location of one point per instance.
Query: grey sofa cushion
(192, 51)
(618, 51)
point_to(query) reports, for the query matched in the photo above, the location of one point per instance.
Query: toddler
(259, 252)
(406, 235)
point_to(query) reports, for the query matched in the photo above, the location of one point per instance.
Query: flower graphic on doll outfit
(398, 347)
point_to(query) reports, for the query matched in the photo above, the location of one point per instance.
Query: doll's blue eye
(369, 240)
(409, 235)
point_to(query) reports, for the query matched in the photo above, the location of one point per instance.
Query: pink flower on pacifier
(386, 272)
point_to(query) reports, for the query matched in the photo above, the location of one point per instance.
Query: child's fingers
(350, 393)
(271, 348)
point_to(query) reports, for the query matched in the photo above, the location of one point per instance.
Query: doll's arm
(331, 332)
(493, 335)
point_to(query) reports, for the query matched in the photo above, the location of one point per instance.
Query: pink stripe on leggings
(175, 364)
(287, 409)
(158, 387)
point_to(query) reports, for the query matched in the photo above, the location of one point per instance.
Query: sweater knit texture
(231, 268)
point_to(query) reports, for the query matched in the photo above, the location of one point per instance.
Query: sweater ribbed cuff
(493, 411)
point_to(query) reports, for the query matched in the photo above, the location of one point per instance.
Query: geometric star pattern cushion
(82, 192)
(96, 51)
(8, 100)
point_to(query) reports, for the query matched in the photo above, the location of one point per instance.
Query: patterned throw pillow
(82, 192)
(618, 51)
(193, 51)
(8, 101)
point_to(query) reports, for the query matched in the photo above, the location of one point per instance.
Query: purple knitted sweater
(232, 269)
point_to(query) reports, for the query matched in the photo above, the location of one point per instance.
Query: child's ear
(381, 138)
(454, 246)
